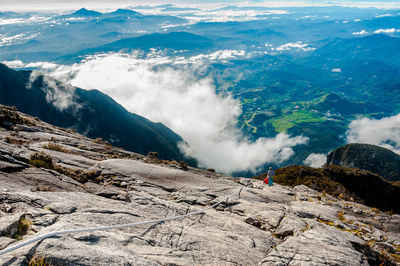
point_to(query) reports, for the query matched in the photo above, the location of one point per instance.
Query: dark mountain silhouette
(91, 113)
(376, 159)
(125, 12)
(86, 13)
(173, 40)
(83, 12)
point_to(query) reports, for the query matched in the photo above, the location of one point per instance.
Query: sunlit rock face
(55, 179)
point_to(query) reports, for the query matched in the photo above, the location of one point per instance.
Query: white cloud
(336, 70)
(11, 21)
(177, 97)
(72, 19)
(315, 160)
(294, 45)
(40, 65)
(213, 12)
(33, 19)
(368, 4)
(60, 95)
(206, 15)
(363, 32)
(220, 55)
(384, 15)
(14, 64)
(7, 39)
(384, 132)
(229, 151)
(392, 30)
(173, 26)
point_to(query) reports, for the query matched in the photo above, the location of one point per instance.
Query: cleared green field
(284, 123)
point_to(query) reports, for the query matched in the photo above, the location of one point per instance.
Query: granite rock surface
(92, 184)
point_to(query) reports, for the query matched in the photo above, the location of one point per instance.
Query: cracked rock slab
(310, 210)
(61, 208)
(290, 225)
(5, 242)
(321, 245)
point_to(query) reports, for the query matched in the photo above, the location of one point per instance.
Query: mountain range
(172, 41)
(307, 71)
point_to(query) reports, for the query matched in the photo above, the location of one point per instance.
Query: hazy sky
(107, 4)
(93, 4)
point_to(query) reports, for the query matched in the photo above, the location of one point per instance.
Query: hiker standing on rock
(270, 176)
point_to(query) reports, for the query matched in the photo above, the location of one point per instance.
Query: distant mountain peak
(86, 12)
(121, 11)
(171, 40)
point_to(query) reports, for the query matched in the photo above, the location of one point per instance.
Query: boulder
(9, 224)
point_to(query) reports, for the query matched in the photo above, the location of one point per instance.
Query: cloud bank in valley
(384, 132)
(362, 32)
(184, 99)
(387, 31)
(315, 160)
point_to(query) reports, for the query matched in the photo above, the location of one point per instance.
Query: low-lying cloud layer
(10, 39)
(291, 46)
(299, 46)
(315, 160)
(384, 132)
(177, 97)
(362, 32)
(392, 30)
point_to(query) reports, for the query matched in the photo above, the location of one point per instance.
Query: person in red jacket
(270, 177)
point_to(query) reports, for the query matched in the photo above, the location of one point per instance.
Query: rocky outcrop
(10, 224)
(344, 182)
(83, 183)
(376, 159)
